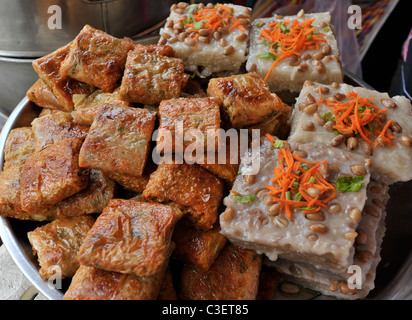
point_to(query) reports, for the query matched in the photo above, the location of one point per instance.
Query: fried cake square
(196, 191)
(52, 175)
(150, 78)
(56, 245)
(118, 140)
(130, 237)
(96, 58)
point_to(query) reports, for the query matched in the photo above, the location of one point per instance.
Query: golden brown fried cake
(19, 146)
(56, 245)
(195, 247)
(150, 78)
(233, 276)
(52, 175)
(195, 190)
(162, 50)
(10, 184)
(96, 58)
(246, 99)
(130, 237)
(63, 87)
(41, 94)
(197, 113)
(118, 140)
(90, 283)
(56, 127)
(227, 171)
(92, 199)
(86, 107)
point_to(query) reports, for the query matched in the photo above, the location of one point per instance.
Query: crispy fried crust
(96, 58)
(150, 78)
(233, 276)
(90, 283)
(118, 140)
(52, 175)
(245, 98)
(86, 107)
(162, 50)
(19, 146)
(195, 247)
(56, 245)
(130, 237)
(195, 190)
(41, 94)
(199, 113)
(48, 69)
(56, 127)
(10, 184)
(92, 199)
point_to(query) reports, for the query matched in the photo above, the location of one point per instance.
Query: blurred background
(29, 29)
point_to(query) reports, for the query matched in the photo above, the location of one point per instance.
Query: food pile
(122, 224)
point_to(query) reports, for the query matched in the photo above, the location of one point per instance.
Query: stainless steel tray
(394, 274)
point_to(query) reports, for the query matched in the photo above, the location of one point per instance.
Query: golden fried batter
(195, 247)
(118, 140)
(130, 237)
(150, 78)
(48, 69)
(195, 190)
(233, 276)
(56, 127)
(52, 175)
(245, 98)
(96, 58)
(56, 245)
(19, 146)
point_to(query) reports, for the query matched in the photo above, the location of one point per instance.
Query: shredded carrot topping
(359, 116)
(288, 38)
(297, 183)
(210, 19)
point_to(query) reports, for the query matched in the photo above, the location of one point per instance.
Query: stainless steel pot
(25, 33)
(16, 77)
(24, 30)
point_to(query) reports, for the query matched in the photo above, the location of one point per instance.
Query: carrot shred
(292, 180)
(210, 19)
(359, 116)
(289, 38)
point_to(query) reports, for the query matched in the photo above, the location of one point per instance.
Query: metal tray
(394, 274)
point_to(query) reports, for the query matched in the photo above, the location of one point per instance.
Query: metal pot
(24, 24)
(25, 33)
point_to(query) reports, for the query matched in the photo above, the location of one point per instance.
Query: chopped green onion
(287, 195)
(283, 27)
(312, 179)
(349, 184)
(278, 144)
(306, 208)
(247, 199)
(326, 29)
(298, 196)
(295, 185)
(267, 55)
(335, 132)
